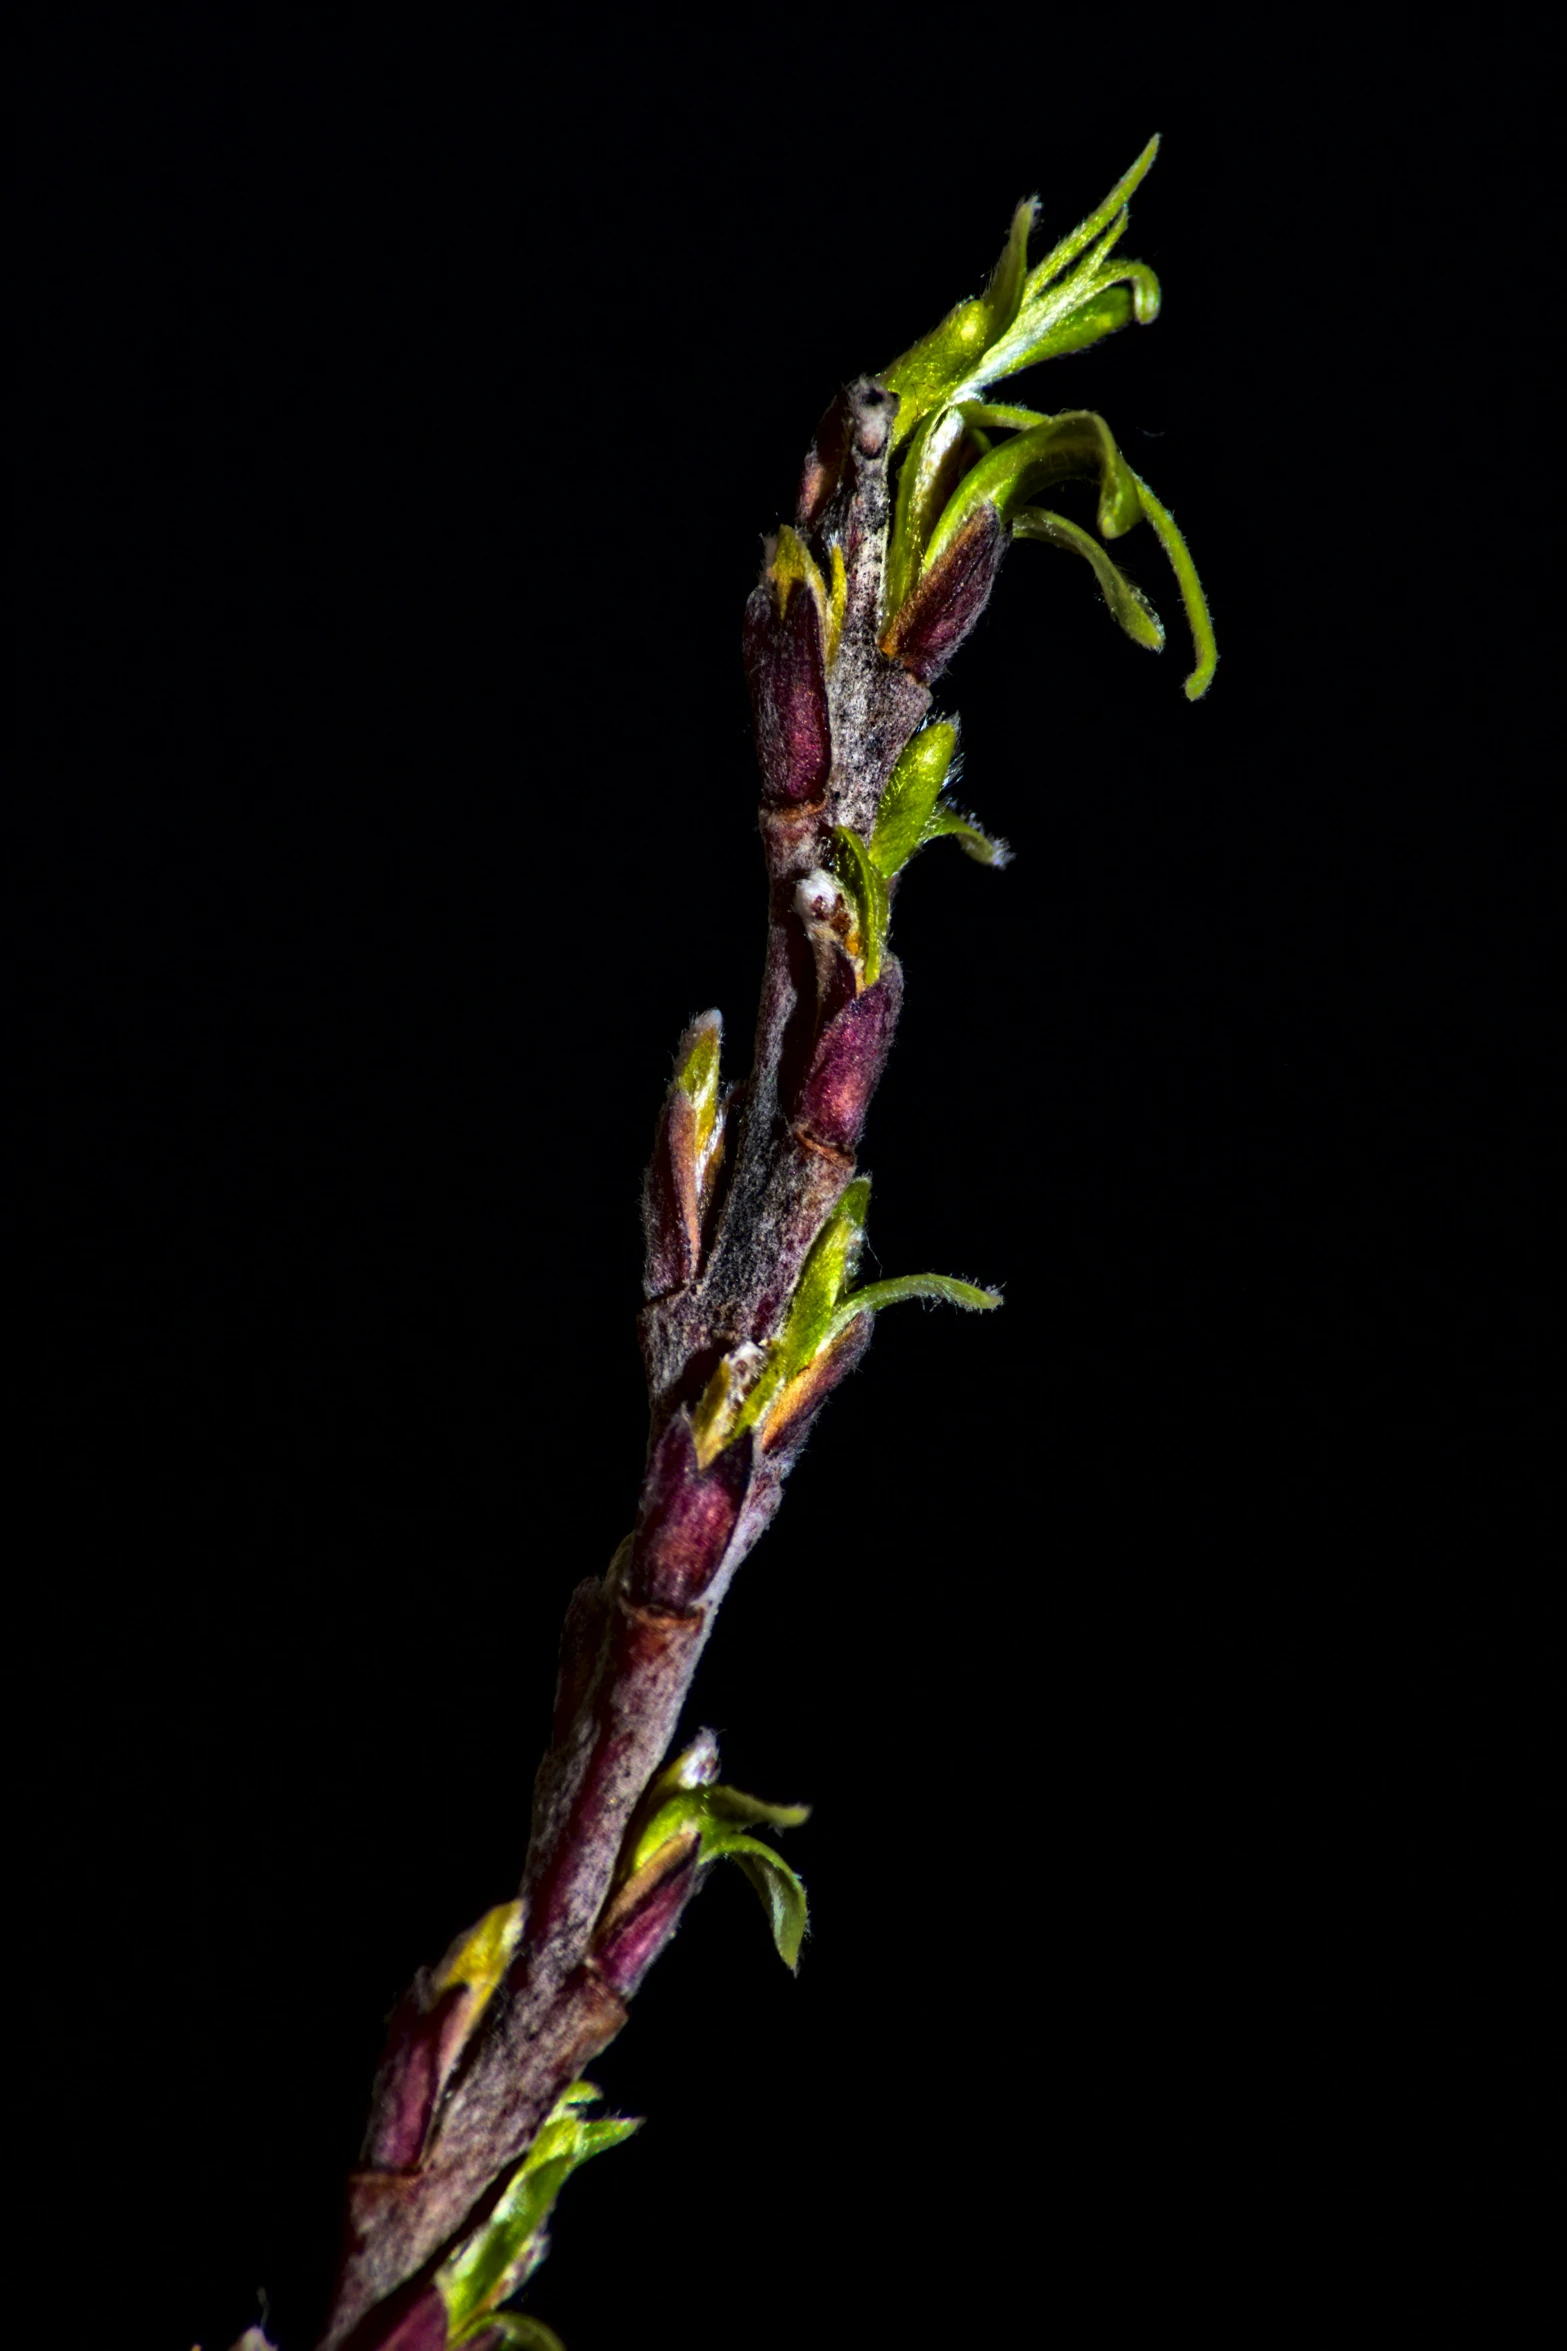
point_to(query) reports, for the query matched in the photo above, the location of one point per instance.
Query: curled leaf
(1198, 619)
(983, 847)
(1067, 447)
(781, 1892)
(1000, 416)
(941, 1286)
(732, 1804)
(1127, 602)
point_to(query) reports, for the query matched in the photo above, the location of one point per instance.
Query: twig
(753, 1213)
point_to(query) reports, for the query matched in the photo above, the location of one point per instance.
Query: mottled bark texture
(738, 1192)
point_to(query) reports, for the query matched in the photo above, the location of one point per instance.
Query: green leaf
(830, 1267)
(671, 1803)
(868, 888)
(1077, 295)
(732, 1804)
(1061, 256)
(479, 1959)
(942, 1286)
(526, 2334)
(1002, 418)
(674, 1814)
(912, 792)
(697, 1073)
(938, 456)
(509, 2243)
(925, 375)
(721, 1817)
(1076, 444)
(1198, 619)
(834, 1255)
(983, 847)
(780, 1890)
(1127, 602)
(580, 2093)
(1004, 294)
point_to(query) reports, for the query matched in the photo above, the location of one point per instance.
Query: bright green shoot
(497, 2259)
(954, 468)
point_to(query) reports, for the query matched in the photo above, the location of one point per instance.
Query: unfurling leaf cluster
(686, 1799)
(962, 494)
(771, 1389)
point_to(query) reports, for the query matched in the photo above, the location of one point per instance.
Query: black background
(1170, 1659)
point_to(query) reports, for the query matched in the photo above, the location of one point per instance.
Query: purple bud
(410, 2076)
(687, 1517)
(789, 1422)
(824, 461)
(930, 626)
(787, 676)
(671, 1219)
(636, 1937)
(847, 1063)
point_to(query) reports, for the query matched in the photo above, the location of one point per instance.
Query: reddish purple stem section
(456, 2104)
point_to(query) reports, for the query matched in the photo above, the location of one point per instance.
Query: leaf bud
(846, 1064)
(687, 1516)
(786, 627)
(928, 629)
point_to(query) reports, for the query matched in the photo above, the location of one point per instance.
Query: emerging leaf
(1061, 256)
(867, 886)
(928, 374)
(983, 847)
(1196, 603)
(478, 1960)
(1066, 447)
(912, 791)
(1127, 603)
(1056, 308)
(730, 1804)
(506, 2246)
(697, 1074)
(941, 1286)
(683, 1798)
(780, 1891)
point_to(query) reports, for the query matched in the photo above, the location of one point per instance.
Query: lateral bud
(789, 1422)
(432, 2025)
(787, 622)
(644, 1914)
(688, 1153)
(847, 1061)
(928, 629)
(687, 1516)
(825, 461)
